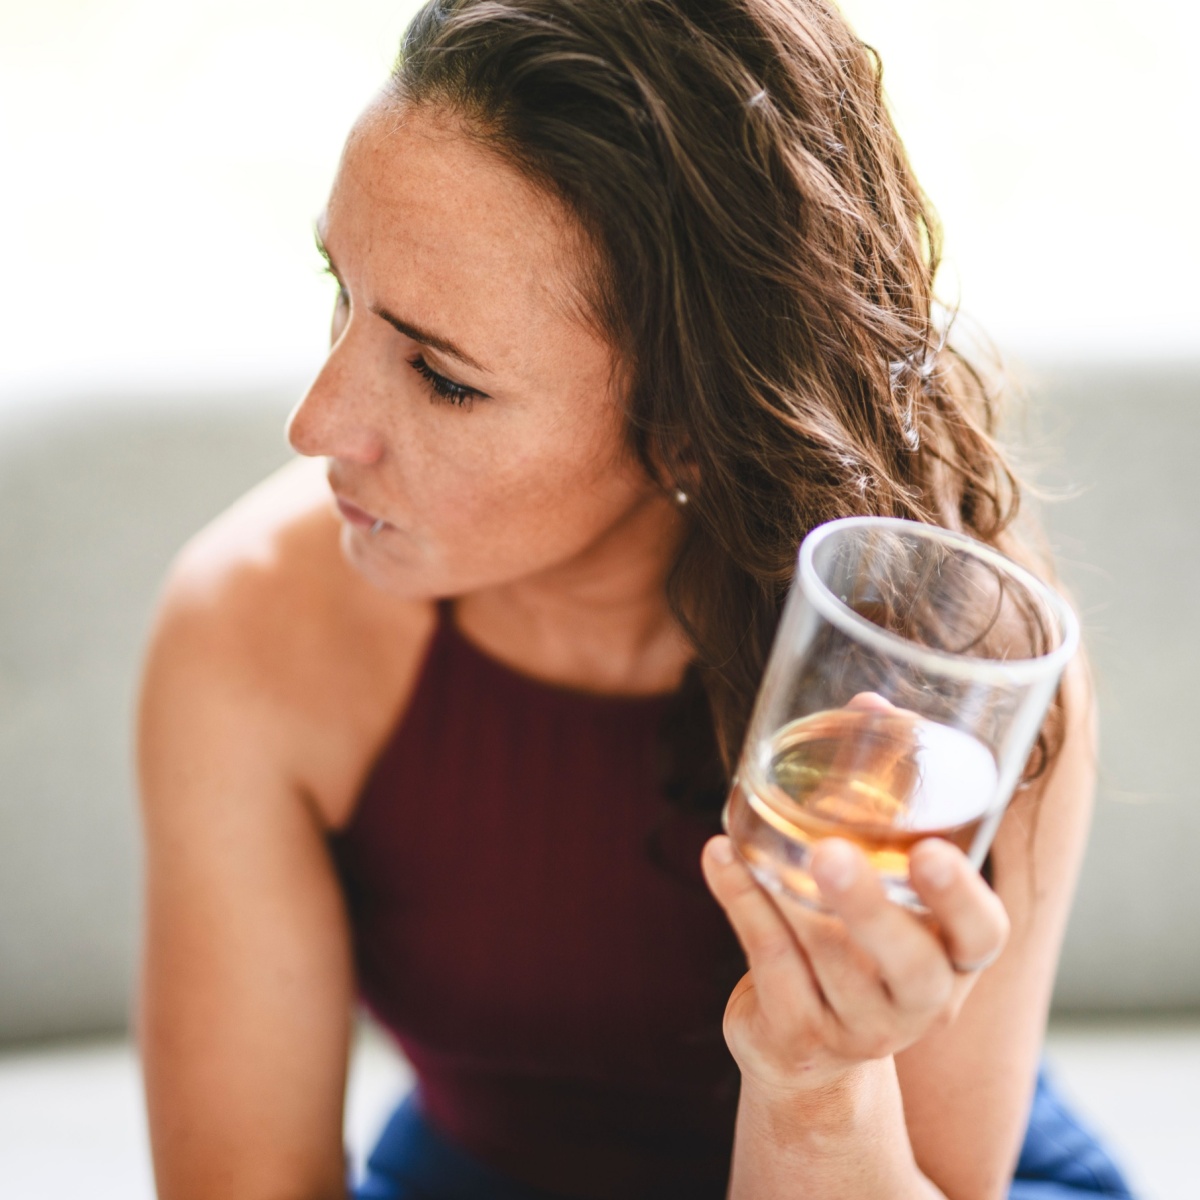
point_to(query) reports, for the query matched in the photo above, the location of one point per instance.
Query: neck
(600, 621)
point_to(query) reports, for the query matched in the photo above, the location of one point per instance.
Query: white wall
(162, 161)
(1059, 140)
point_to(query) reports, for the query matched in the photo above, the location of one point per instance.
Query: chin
(384, 568)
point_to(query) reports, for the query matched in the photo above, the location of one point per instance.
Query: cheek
(519, 486)
(520, 497)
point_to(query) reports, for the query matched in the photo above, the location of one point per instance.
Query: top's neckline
(448, 628)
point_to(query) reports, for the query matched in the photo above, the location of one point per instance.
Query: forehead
(434, 222)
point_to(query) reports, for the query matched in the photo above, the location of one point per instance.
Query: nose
(336, 418)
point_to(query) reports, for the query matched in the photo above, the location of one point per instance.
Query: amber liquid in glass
(883, 778)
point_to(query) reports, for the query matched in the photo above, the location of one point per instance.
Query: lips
(355, 515)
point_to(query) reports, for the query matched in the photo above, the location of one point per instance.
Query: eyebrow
(427, 339)
(415, 332)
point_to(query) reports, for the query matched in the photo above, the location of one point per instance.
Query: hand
(826, 992)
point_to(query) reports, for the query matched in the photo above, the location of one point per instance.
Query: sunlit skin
(290, 636)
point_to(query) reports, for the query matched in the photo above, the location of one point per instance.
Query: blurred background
(161, 308)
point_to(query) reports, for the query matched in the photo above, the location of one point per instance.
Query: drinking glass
(909, 678)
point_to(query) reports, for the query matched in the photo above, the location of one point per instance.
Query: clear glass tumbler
(910, 675)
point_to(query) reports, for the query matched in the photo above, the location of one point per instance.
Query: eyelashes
(445, 389)
(343, 297)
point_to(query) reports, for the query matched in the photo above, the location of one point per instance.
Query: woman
(631, 295)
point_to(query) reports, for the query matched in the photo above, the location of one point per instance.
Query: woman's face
(465, 402)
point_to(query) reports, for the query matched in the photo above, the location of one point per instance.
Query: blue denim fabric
(1060, 1160)
(412, 1161)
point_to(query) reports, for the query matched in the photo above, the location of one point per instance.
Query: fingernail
(835, 867)
(937, 867)
(721, 851)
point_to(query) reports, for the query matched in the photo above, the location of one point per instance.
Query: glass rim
(841, 615)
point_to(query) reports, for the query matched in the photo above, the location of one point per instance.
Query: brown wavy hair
(765, 264)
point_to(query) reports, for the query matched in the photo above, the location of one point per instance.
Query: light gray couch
(96, 495)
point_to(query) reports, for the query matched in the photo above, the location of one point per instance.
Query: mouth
(359, 517)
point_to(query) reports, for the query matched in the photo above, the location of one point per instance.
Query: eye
(445, 389)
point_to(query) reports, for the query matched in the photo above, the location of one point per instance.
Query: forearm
(846, 1141)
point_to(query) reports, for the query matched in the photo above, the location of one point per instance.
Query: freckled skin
(534, 480)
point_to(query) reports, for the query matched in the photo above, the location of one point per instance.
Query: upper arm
(246, 990)
(967, 1089)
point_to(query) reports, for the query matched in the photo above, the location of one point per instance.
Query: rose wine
(879, 776)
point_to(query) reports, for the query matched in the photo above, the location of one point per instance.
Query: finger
(973, 922)
(849, 978)
(782, 978)
(869, 701)
(912, 962)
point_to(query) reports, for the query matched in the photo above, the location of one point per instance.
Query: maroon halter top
(530, 922)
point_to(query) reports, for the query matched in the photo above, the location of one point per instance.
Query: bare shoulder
(262, 616)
